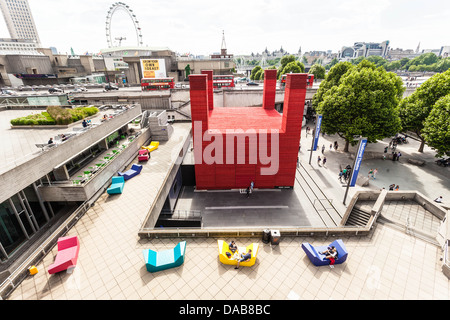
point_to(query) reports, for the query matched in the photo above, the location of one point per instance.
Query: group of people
(86, 123)
(344, 173)
(393, 187)
(63, 138)
(373, 173)
(331, 254)
(244, 256)
(320, 160)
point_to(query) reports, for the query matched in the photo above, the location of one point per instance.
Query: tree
(293, 67)
(287, 60)
(436, 129)
(332, 63)
(254, 71)
(424, 59)
(415, 108)
(363, 103)
(258, 75)
(318, 71)
(331, 79)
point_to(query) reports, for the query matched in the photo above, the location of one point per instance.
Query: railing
(23, 158)
(255, 232)
(446, 253)
(19, 274)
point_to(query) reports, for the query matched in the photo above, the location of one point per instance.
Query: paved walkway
(387, 264)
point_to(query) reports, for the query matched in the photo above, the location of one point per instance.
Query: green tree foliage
(364, 102)
(415, 108)
(436, 129)
(289, 64)
(423, 59)
(318, 71)
(332, 63)
(425, 62)
(259, 75)
(331, 79)
(254, 71)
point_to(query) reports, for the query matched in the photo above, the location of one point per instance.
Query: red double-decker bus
(220, 81)
(157, 84)
(309, 80)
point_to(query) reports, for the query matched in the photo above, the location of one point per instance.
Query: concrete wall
(159, 128)
(25, 64)
(101, 180)
(35, 168)
(147, 101)
(158, 204)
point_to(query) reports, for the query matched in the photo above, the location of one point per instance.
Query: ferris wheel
(124, 7)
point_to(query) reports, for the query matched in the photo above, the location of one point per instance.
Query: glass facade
(21, 216)
(11, 233)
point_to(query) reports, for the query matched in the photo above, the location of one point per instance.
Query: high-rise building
(19, 20)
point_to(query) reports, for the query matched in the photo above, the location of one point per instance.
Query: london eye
(109, 20)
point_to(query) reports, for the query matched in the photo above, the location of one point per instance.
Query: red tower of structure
(235, 146)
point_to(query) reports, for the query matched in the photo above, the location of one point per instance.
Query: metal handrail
(446, 253)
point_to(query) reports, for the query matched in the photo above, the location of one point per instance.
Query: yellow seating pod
(152, 146)
(223, 249)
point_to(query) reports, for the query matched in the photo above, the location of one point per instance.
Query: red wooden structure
(234, 146)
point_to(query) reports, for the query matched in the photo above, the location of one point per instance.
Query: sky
(250, 26)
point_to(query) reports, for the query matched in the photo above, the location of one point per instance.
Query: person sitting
(331, 254)
(438, 199)
(84, 123)
(244, 257)
(50, 141)
(63, 137)
(232, 246)
(391, 187)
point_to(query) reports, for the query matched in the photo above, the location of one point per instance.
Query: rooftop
(386, 264)
(249, 118)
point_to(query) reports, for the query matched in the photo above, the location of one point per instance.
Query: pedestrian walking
(252, 184)
(298, 163)
(341, 174)
(324, 161)
(370, 175)
(394, 156)
(336, 146)
(398, 156)
(323, 149)
(374, 174)
(331, 146)
(318, 160)
(247, 191)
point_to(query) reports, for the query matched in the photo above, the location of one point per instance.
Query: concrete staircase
(358, 218)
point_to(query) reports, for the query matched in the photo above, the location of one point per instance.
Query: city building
(125, 62)
(364, 49)
(398, 54)
(220, 63)
(19, 20)
(18, 46)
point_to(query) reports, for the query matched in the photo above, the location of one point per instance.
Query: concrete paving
(386, 264)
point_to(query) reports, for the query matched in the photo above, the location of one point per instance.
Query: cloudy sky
(250, 25)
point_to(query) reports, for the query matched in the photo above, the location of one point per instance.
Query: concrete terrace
(386, 264)
(19, 145)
